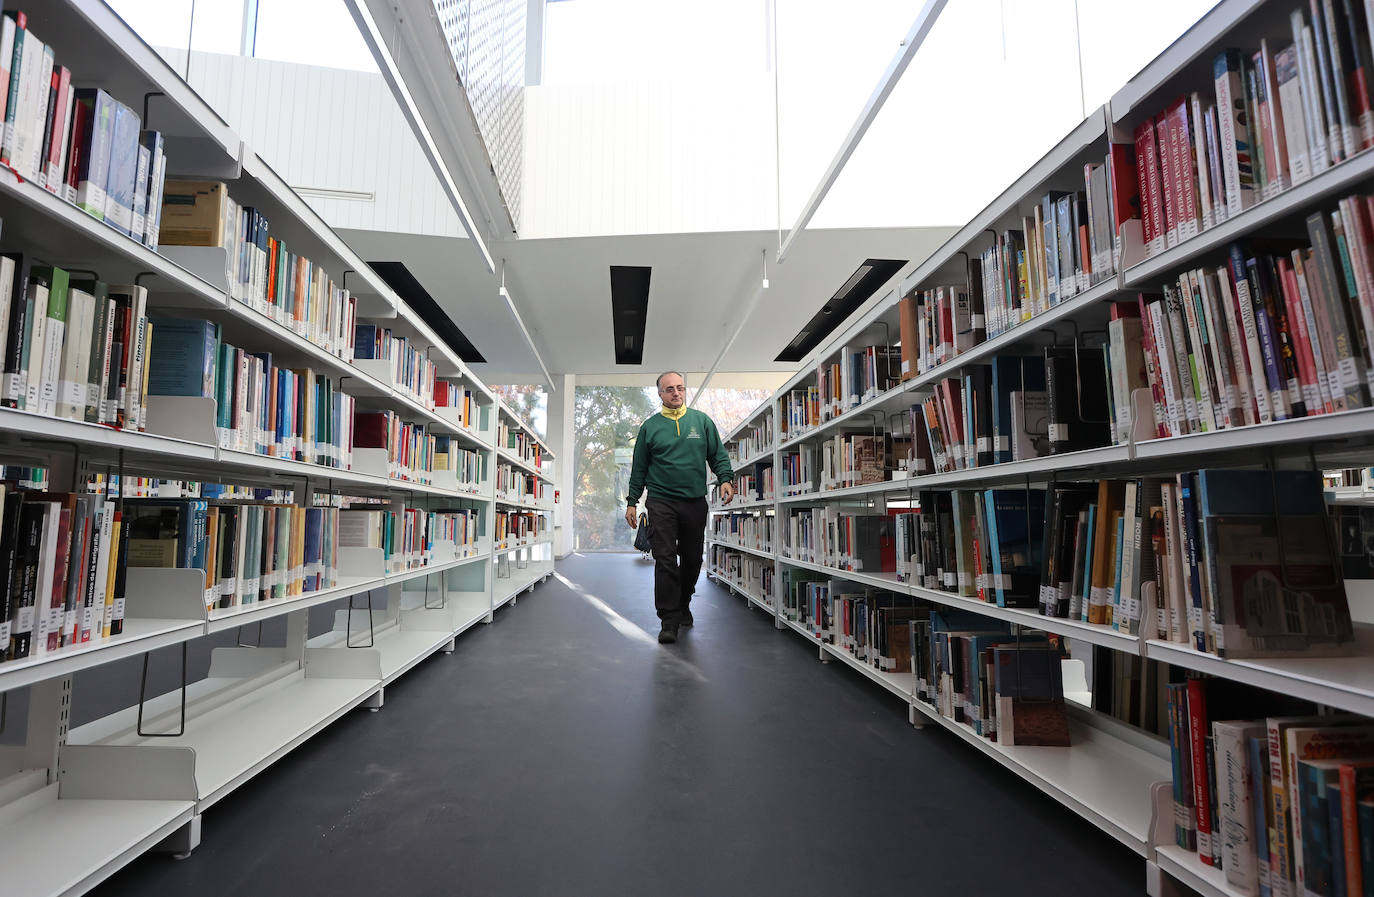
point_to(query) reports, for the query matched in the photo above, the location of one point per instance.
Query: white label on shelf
(984, 443)
(1059, 432)
(228, 586)
(118, 609)
(1003, 443)
(963, 579)
(5, 633)
(1001, 581)
(980, 582)
(979, 322)
(950, 580)
(73, 393)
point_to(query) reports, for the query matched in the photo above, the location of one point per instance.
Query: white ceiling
(698, 289)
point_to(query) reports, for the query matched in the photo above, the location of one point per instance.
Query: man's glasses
(672, 389)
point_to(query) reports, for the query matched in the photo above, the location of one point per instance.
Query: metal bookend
(143, 698)
(348, 624)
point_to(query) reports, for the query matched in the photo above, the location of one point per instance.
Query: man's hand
(632, 517)
(727, 492)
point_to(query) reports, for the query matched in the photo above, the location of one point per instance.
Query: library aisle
(561, 751)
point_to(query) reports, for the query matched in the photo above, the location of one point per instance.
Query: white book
(76, 355)
(42, 91)
(1030, 412)
(33, 374)
(56, 183)
(7, 275)
(1223, 390)
(1276, 137)
(1175, 416)
(1205, 200)
(1318, 147)
(1235, 825)
(1231, 127)
(50, 374)
(44, 621)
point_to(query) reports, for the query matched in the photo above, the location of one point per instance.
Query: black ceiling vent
(863, 283)
(399, 278)
(629, 311)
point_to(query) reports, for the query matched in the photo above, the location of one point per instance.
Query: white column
(562, 440)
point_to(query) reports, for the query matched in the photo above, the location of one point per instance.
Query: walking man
(672, 451)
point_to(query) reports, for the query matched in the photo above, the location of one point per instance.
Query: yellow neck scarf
(675, 415)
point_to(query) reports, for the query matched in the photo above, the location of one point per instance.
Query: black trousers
(679, 532)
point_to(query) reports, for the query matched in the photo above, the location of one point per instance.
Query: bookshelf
(118, 786)
(1116, 776)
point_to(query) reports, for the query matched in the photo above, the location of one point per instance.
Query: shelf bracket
(143, 696)
(348, 624)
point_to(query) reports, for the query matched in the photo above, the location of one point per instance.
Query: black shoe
(667, 635)
(686, 620)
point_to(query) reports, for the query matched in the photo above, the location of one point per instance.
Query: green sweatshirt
(671, 457)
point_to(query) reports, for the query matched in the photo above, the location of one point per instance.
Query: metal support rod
(925, 20)
(143, 699)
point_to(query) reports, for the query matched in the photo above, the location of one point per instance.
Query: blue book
(1334, 823)
(1011, 373)
(1259, 781)
(1085, 595)
(1192, 558)
(364, 341)
(1116, 587)
(121, 179)
(183, 357)
(1015, 531)
(314, 522)
(1314, 778)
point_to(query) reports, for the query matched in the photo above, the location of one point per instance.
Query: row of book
(1281, 115)
(756, 483)
(854, 459)
(73, 347)
(259, 269)
(749, 572)
(753, 440)
(519, 526)
(1006, 687)
(409, 368)
(126, 486)
(747, 530)
(871, 625)
(408, 536)
(470, 466)
(1184, 559)
(464, 402)
(799, 470)
(521, 444)
(1280, 799)
(410, 448)
(78, 143)
(514, 484)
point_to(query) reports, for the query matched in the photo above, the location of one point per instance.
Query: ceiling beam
(925, 20)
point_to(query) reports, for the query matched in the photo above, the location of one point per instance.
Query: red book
(1198, 727)
(1352, 775)
(1125, 198)
(1165, 151)
(371, 429)
(1147, 343)
(1297, 321)
(1147, 183)
(1185, 170)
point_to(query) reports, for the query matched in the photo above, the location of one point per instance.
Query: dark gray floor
(560, 751)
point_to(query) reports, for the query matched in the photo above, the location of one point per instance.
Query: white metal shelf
(1335, 180)
(1345, 683)
(765, 553)
(518, 585)
(1186, 868)
(525, 505)
(765, 455)
(139, 636)
(97, 838)
(886, 581)
(741, 505)
(823, 495)
(515, 460)
(233, 617)
(1094, 633)
(503, 549)
(1104, 779)
(900, 684)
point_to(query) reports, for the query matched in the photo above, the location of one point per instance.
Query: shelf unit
(108, 791)
(1112, 775)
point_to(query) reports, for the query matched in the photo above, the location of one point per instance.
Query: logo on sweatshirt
(692, 433)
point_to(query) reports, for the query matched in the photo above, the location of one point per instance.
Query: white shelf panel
(902, 485)
(525, 505)
(139, 635)
(1103, 779)
(240, 740)
(233, 617)
(402, 649)
(900, 684)
(1302, 431)
(471, 609)
(882, 404)
(740, 505)
(337, 477)
(507, 589)
(759, 552)
(1096, 634)
(510, 457)
(93, 838)
(1335, 180)
(886, 581)
(765, 455)
(547, 540)
(1185, 867)
(41, 427)
(41, 219)
(1345, 683)
(1026, 330)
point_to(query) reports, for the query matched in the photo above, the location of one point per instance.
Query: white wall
(328, 128)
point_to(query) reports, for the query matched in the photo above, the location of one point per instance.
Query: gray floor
(560, 751)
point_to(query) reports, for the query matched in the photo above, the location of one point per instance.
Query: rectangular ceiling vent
(399, 278)
(629, 311)
(852, 294)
